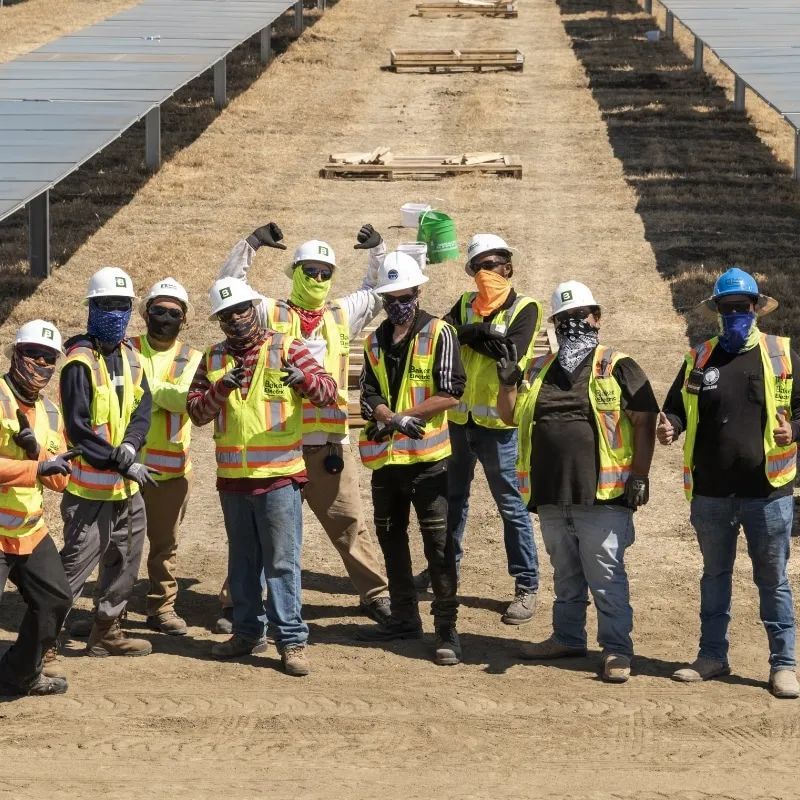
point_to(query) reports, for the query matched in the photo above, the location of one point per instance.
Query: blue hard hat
(735, 281)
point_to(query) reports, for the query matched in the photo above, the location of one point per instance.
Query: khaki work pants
(166, 507)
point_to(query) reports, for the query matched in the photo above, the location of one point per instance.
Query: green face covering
(308, 292)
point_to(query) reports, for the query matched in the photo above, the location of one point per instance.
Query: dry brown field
(640, 181)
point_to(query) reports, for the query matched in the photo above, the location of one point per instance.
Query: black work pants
(40, 579)
(395, 489)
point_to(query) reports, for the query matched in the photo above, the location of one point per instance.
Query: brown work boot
(295, 660)
(167, 622)
(108, 639)
(701, 669)
(783, 684)
(550, 649)
(51, 667)
(616, 668)
(520, 609)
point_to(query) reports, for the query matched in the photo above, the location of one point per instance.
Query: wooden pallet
(454, 60)
(449, 8)
(388, 167)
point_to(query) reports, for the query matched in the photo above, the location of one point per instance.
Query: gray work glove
(234, 378)
(294, 375)
(637, 491)
(26, 438)
(368, 238)
(508, 370)
(141, 474)
(269, 235)
(413, 427)
(123, 456)
(58, 465)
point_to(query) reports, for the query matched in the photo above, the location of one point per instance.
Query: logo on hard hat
(47, 333)
(392, 274)
(323, 251)
(566, 296)
(225, 293)
(120, 283)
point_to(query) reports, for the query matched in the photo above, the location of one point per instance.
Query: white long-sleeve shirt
(362, 306)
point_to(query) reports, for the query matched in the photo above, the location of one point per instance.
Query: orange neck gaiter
(493, 290)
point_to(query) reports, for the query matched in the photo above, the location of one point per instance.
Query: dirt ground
(384, 721)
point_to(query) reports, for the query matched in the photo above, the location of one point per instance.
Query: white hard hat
(571, 294)
(399, 271)
(483, 243)
(37, 331)
(110, 282)
(227, 292)
(313, 250)
(168, 287)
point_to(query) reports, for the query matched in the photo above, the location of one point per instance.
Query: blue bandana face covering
(108, 326)
(736, 329)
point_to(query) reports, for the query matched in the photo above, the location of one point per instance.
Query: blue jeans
(265, 535)
(767, 528)
(586, 545)
(497, 452)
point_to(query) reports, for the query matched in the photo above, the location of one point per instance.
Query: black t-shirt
(564, 459)
(729, 456)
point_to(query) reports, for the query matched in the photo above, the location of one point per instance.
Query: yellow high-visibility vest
(417, 385)
(614, 429)
(167, 446)
(109, 420)
(21, 511)
(776, 359)
(258, 436)
(283, 318)
(483, 385)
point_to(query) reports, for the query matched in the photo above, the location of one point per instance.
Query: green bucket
(438, 231)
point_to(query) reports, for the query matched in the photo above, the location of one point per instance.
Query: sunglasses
(317, 272)
(163, 311)
(738, 307)
(113, 303)
(575, 313)
(406, 298)
(235, 311)
(39, 353)
(491, 264)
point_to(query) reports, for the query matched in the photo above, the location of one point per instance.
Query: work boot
(379, 610)
(392, 630)
(616, 668)
(783, 684)
(50, 663)
(520, 609)
(81, 627)
(225, 622)
(237, 646)
(422, 582)
(448, 645)
(702, 669)
(108, 639)
(550, 649)
(167, 622)
(294, 658)
(43, 685)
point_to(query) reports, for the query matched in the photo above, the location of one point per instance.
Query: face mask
(738, 331)
(164, 328)
(107, 326)
(308, 292)
(493, 289)
(576, 339)
(400, 313)
(241, 332)
(28, 377)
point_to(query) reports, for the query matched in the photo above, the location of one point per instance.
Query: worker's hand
(141, 474)
(508, 370)
(478, 332)
(269, 235)
(58, 465)
(664, 430)
(379, 431)
(123, 456)
(233, 378)
(26, 438)
(637, 491)
(368, 238)
(293, 376)
(413, 427)
(783, 433)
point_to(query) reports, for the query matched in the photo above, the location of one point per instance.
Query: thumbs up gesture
(664, 430)
(783, 433)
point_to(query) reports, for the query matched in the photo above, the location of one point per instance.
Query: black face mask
(163, 327)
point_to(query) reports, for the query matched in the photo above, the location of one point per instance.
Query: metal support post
(298, 18)
(648, 6)
(39, 235)
(669, 25)
(266, 45)
(221, 83)
(738, 94)
(152, 139)
(322, 5)
(698, 54)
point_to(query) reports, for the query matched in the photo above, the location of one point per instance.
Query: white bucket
(417, 250)
(410, 213)
(653, 36)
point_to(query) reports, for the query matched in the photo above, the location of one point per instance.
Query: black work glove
(233, 378)
(58, 465)
(123, 456)
(141, 474)
(269, 235)
(478, 332)
(378, 431)
(413, 427)
(508, 370)
(294, 375)
(637, 491)
(368, 238)
(26, 438)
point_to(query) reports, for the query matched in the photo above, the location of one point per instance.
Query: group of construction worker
(438, 396)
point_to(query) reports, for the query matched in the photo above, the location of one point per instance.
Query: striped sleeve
(318, 386)
(205, 399)
(448, 371)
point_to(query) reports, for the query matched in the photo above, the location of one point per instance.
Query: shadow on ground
(710, 192)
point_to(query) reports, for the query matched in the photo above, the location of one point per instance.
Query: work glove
(637, 491)
(478, 332)
(123, 456)
(413, 427)
(664, 430)
(58, 465)
(26, 438)
(508, 370)
(141, 474)
(294, 375)
(233, 378)
(378, 431)
(269, 235)
(368, 238)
